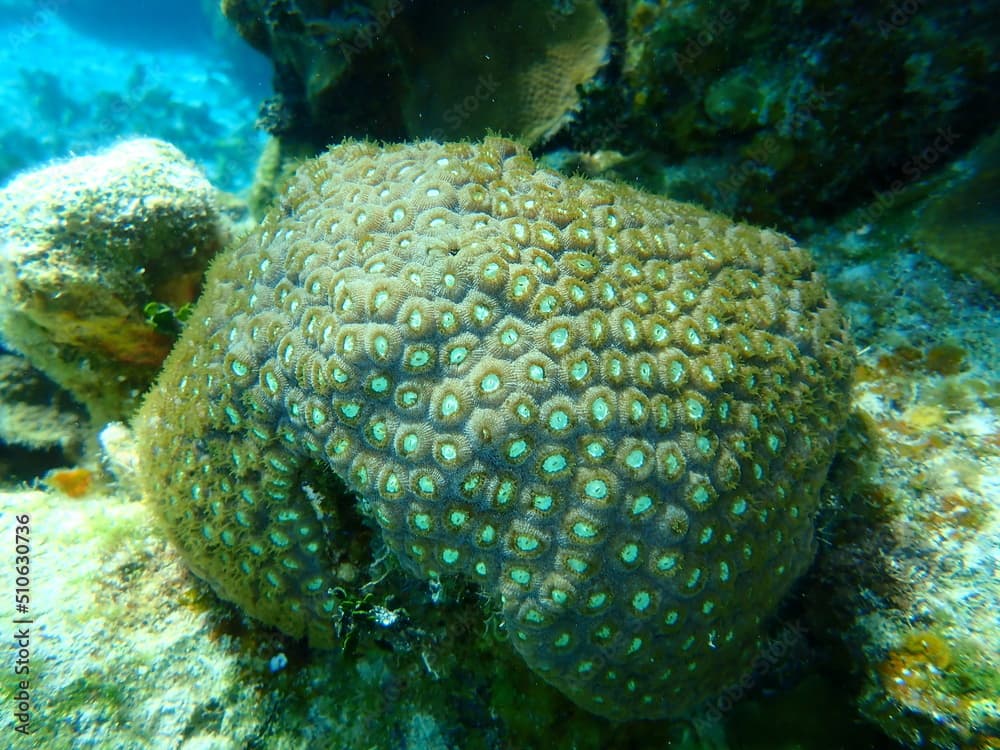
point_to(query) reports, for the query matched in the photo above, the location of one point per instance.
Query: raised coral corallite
(612, 411)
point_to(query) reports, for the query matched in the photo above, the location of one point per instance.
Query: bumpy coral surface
(611, 411)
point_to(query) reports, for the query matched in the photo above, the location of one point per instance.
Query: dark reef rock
(777, 112)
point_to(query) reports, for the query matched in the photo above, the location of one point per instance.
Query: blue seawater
(78, 76)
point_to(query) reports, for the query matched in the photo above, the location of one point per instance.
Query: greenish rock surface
(785, 113)
(86, 243)
(949, 215)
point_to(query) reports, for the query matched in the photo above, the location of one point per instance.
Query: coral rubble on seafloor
(86, 244)
(911, 567)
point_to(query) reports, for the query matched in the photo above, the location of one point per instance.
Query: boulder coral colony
(611, 411)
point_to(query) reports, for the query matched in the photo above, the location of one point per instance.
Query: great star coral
(610, 410)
